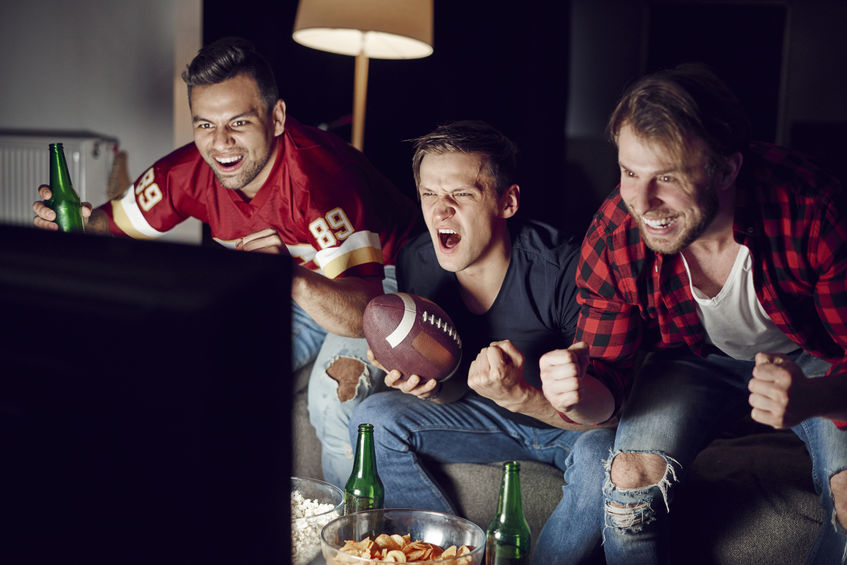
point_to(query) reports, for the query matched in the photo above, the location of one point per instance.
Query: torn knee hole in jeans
(346, 371)
(630, 509)
(631, 517)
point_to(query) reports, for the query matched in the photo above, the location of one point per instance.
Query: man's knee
(637, 489)
(838, 486)
(637, 470)
(347, 372)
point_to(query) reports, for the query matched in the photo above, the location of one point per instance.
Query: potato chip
(384, 541)
(451, 551)
(395, 556)
(395, 548)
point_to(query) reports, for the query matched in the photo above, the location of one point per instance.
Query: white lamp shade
(378, 29)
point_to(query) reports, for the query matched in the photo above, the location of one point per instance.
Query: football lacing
(438, 322)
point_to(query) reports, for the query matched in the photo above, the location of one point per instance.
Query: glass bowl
(430, 527)
(314, 503)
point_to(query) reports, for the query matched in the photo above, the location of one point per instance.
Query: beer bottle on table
(507, 540)
(364, 490)
(64, 201)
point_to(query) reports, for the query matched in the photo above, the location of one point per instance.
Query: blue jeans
(306, 337)
(679, 403)
(473, 430)
(330, 414)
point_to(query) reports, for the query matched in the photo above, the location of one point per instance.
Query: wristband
(566, 419)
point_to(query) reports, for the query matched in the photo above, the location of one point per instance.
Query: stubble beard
(245, 177)
(707, 206)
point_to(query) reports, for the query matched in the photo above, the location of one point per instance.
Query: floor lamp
(365, 29)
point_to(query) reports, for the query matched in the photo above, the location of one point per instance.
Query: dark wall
(505, 63)
(742, 42)
(509, 63)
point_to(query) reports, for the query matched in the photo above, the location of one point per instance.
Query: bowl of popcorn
(397, 535)
(314, 504)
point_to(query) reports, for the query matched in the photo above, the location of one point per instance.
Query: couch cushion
(748, 500)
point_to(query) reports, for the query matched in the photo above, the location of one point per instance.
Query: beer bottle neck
(509, 505)
(363, 463)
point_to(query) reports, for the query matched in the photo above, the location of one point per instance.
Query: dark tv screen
(144, 401)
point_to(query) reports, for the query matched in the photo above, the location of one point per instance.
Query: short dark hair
(471, 136)
(227, 58)
(680, 105)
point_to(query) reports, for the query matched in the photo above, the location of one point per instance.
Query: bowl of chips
(314, 504)
(398, 535)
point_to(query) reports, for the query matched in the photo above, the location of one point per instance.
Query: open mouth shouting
(448, 238)
(227, 163)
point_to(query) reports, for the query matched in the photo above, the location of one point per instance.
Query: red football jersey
(335, 213)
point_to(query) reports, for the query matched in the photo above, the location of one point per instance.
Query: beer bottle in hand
(65, 201)
(364, 490)
(507, 540)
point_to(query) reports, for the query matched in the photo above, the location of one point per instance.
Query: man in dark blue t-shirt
(509, 288)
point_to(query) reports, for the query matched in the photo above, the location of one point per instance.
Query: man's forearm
(596, 405)
(336, 305)
(535, 404)
(98, 222)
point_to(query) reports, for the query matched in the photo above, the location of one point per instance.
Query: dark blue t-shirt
(536, 308)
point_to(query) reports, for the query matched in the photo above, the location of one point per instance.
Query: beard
(706, 210)
(249, 172)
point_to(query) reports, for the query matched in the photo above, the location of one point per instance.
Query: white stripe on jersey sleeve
(127, 215)
(360, 248)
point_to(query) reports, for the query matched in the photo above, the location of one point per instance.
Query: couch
(749, 498)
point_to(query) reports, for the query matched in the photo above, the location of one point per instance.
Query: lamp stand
(360, 94)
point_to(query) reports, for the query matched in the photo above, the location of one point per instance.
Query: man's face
(235, 133)
(463, 213)
(672, 198)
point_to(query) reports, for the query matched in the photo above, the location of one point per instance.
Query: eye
(203, 125)
(627, 173)
(666, 178)
(239, 123)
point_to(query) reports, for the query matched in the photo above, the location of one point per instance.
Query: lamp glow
(365, 29)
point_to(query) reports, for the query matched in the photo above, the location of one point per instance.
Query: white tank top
(734, 320)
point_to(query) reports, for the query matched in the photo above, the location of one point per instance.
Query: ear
(278, 117)
(510, 201)
(732, 167)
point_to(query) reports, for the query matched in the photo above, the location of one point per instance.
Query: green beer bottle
(364, 490)
(65, 201)
(507, 540)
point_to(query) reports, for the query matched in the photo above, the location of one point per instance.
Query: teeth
(658, 224)
(444, 231)
(227, 160)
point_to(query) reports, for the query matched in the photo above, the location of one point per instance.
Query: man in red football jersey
(264, 182)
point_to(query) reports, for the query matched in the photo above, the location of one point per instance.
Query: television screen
(144, 401)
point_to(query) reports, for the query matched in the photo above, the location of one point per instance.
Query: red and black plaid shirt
(793, 218)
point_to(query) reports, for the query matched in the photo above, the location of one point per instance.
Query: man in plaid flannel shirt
(723, 265)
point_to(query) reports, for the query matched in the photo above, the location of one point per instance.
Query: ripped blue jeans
(679, 403)
(331, 403)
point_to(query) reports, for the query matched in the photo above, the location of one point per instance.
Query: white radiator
(24, 165)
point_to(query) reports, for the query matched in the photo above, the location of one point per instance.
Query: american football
(413, 335)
